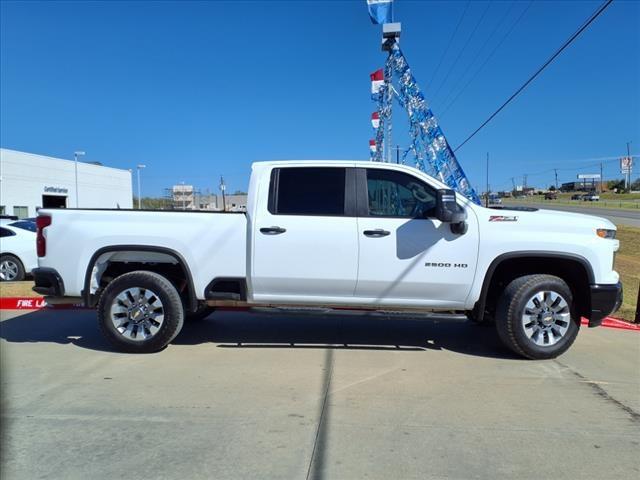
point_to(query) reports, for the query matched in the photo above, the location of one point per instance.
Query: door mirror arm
(459, 228)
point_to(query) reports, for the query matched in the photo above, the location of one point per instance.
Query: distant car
(576, 196)
(17, 250)
(551, 196)
(591, 197)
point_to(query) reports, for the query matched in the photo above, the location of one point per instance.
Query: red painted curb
(32, 303)
(38, 303)
(611, 322)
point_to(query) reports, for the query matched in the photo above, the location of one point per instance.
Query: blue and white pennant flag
(380, 11)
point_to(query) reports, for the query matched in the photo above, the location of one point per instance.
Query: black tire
(169, 297)
(200, 314)
(511, 308)
(17, 264)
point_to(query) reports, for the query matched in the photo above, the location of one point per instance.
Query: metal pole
(556, 172)
(601, 179)
(486, 202)
(397, 154)
(627, 177)
(75, 156)
(139, 198)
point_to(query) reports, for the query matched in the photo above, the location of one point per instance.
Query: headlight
(605, 233)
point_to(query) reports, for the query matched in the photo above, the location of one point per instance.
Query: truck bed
(210, 241)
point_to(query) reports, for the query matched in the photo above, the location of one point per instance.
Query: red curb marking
(33, 303)
(38, 303)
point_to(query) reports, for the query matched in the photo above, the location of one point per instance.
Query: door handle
(272, 230)
(378, 232)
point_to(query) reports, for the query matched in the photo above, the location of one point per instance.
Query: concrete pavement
(346, 396)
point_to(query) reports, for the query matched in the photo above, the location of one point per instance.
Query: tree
(150, 203)
(552, 188)
(618, 185)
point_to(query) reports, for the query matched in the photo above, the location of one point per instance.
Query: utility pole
(486, 202)
(524, 182)
(601, 179)
(555, 170)
(627, 176)
(223, 187)
(397, 154)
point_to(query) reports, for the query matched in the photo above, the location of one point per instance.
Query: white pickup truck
(334, 234)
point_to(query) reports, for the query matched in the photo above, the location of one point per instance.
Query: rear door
(407, 256)
(305, 236)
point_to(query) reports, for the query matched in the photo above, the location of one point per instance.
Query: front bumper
(605, 299)
(48, 282)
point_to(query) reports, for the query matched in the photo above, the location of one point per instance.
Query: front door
(306, 241)
(407, 256)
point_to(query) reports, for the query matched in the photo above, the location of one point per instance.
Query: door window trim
(362, 194)
(349, 193)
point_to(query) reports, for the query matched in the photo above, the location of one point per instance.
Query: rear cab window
(308, 191)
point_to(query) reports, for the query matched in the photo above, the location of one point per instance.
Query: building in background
(29, 181)
(187, 197)
(182, 197)
(235, 203)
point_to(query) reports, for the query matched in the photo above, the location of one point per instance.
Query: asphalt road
(339, 396)
(617, 216)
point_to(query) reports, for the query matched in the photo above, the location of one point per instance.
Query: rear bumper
(48, 282)
(605, 299)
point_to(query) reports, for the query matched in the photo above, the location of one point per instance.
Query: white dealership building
(29, 181)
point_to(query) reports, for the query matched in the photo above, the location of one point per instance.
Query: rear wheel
(535, 316)
(140, 312)
(11, 269)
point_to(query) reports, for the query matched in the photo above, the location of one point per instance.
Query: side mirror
(447, 209)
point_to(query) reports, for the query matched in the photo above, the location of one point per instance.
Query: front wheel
(535, 316)
(140, 312)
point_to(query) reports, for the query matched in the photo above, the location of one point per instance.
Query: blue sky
(199, 89)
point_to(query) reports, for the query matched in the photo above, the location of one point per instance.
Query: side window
(307, 191)
(397, 194)
(5, 232)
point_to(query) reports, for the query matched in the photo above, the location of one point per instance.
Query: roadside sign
(626, 164)
(588, 176)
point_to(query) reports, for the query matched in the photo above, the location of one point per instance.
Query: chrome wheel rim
(546, 318)
(8, 270)
(137, 314)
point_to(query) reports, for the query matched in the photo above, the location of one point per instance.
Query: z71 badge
(502, 218)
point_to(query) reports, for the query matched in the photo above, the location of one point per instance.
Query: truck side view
(335, 233)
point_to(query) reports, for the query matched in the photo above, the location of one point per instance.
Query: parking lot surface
(340, 395)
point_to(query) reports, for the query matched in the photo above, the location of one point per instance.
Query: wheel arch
(90, 299)
(574, 269)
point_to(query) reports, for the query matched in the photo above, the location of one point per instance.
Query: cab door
(407, 256)
(305, 237)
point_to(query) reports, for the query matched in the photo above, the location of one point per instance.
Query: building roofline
(2, 149)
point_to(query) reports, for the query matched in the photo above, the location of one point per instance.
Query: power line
(568, 42)
(444, 53)
(476, 56)
(455, 62)
(495, 49)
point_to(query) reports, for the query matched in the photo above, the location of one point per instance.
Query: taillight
(42, 221)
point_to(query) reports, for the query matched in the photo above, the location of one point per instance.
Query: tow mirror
(448, 211)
